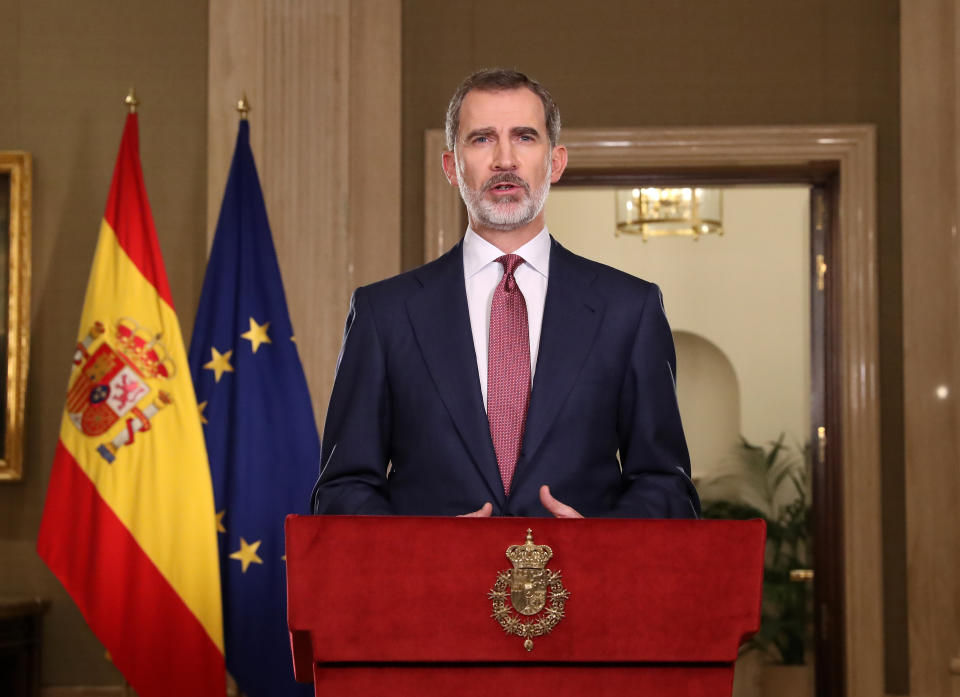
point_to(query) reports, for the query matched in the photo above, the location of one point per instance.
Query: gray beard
(504, 215)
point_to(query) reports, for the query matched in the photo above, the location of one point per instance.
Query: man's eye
(481, 139)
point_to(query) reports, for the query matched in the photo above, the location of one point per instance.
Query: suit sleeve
(355, 444)
(653, 451)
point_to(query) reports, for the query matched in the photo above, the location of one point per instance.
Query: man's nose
(504, 157)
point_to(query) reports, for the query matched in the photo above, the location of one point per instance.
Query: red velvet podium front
(401, 606)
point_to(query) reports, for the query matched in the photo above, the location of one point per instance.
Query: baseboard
(113, 691)
(92, 691)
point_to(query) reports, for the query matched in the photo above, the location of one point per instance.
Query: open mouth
(506, 188)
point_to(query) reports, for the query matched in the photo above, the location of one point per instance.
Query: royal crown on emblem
(529, 555)
(143, 349)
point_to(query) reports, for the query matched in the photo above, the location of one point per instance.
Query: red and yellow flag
(129, 525)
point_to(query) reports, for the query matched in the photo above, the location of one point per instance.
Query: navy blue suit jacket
(603, 428)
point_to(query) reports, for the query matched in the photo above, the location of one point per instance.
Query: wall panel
(323, 79)
(931, 301)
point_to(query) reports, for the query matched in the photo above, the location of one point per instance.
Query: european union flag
(259, 426)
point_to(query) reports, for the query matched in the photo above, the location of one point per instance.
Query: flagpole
(131, 100)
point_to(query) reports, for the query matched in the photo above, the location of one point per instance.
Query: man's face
(503, 162)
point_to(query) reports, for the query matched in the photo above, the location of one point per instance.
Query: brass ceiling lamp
(658, 212)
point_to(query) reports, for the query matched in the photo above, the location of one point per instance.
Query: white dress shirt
(482, 273)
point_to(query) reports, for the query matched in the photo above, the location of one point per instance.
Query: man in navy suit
(509, 376)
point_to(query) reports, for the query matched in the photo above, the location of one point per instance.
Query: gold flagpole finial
(243, 107)
(131, 101)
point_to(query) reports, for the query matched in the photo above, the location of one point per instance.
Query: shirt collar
(477, 253)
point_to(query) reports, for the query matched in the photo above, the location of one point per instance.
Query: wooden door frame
(773, 153)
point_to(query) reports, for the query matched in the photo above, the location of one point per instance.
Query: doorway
(839, 162)
(739, 300)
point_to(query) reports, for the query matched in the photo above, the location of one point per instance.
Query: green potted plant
(772, 483)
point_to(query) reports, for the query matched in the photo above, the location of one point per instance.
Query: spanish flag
(129, 525)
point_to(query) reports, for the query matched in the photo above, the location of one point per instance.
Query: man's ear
(559, 161)
(449, 162)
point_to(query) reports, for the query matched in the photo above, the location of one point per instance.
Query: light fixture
(657, 212)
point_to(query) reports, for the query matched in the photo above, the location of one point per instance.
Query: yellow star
(247, 554)
(201, 407)
(220, 515)
(220, 363)
(257, 334)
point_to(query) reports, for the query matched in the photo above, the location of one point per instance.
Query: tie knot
(510, 263)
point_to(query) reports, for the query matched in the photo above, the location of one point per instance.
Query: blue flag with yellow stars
(259, 427)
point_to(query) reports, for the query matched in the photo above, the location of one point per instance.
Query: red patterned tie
(508, 369)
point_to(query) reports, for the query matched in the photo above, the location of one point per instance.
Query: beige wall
(738, 62)
(65, 70)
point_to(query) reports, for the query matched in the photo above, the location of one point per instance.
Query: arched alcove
(709, 396)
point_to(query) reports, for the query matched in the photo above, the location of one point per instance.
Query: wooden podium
(402, 606)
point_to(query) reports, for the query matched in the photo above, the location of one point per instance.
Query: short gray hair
(497, 80)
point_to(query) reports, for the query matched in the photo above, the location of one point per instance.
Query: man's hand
(483, 512)
(559, 510)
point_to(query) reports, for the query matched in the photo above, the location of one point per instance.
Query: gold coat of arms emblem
(535, 593)
(117, 380)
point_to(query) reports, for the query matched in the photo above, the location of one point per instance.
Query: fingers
(483, 512)
(558, 509)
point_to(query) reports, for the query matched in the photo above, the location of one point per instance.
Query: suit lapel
(571, 318)
(441, 323)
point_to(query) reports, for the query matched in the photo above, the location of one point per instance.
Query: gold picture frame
(16, 175)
